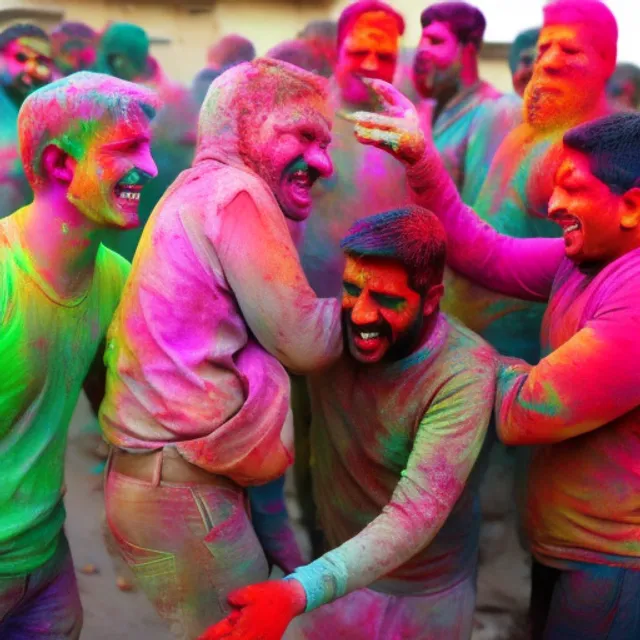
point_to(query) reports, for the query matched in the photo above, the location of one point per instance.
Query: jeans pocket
(155, 573)
(232, 542)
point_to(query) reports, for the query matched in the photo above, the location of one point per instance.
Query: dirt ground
(110, 614)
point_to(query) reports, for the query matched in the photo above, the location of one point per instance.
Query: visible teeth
(130, 195)
(573, 227)
(369, 336)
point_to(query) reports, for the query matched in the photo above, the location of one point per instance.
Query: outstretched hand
(261, 612)
(396, 129)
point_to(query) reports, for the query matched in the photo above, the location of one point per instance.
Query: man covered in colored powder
(198, 403)
(446, 71)
(73, 46)
(398, 424)
(25, 65)
(123, 50)
(577, 56)
(580, 403)
(495, 119)
(173, 144)
(624, 87)
(85, 148)
(364, 180)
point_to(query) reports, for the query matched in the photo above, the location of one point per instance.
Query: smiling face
(370, 50)
(590, 214)
(109, 176)
(26, 65)
(383, 316)
(289, 151)
(438, 62)
(568, 79)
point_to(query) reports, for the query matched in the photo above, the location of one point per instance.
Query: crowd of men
(355, 260)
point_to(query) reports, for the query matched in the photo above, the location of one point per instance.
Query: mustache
(299, 164)
(383, 328)
(136, 177)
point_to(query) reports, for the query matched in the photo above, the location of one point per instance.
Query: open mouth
(300, 183)
(128, 196)
(367, 340)
(571, 228)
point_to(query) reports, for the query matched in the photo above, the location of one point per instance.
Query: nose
(38, 70)
(147, 164)
(364, 311)
(370, 63)
(556, 203)
(318, 158)
(551, 60)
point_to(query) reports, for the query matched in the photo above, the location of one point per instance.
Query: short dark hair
(524, 40)
(466, 21)
(612, 145)
(351, 14)
(25, 30)
(411, 235)
(303, 54)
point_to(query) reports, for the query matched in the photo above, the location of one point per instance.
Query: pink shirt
(215, 306)
(581, 403)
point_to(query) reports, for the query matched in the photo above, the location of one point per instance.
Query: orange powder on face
(374, 30)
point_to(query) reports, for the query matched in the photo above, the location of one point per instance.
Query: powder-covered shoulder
(468, 348)
(112, 271)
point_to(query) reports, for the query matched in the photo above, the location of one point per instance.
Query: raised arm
(588, 382)
(262, 267)
(523, 268)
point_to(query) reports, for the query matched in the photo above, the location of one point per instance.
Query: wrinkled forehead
(312, 109)
(374, 30)
(29, 46)
(371, 270)
(109, 127)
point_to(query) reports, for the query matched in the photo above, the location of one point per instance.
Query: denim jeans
(43, 605)
(188, 545)
(593, 602)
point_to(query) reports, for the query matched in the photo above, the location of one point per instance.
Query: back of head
(70, 112)
(412, 236)
(320, 29)
(242, 97)
(71, 31)
(612, 145)
(303, 54)
(523, 41)
(356, 10)
(229, 51)
(594, 17)
(123, 43)
(466, 22)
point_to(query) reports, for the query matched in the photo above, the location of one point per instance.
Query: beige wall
(191, 26)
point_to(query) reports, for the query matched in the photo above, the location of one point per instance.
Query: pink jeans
(188, 546)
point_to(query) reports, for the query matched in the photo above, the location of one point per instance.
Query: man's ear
(631, 213)
(57, 165)
(432, 299)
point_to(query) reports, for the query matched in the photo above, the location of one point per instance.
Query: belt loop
(157, 471)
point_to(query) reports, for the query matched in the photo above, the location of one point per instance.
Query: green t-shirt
(47, 345)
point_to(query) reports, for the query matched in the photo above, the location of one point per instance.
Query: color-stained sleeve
(518, 267)
(447, 444)
(262, 267)
(588, 382)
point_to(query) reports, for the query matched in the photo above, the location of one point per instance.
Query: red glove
(261, 612)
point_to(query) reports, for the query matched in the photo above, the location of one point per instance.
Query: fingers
(218, 631)
(389, 139)
(389, 94)
(373, 120)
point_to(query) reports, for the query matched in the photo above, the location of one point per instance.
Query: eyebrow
(127, 141)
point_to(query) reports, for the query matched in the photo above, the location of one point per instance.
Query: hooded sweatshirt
(217, 303)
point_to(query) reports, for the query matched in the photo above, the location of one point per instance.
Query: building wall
(184, 29)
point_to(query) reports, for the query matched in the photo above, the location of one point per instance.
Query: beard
(400, 347)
